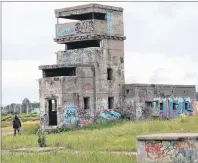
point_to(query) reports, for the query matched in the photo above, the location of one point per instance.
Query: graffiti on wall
(63, 31)
(79, 28)
(43, 117)
(108, 115)
(168, 108)
(76, 56)
(84, 27)
(109, 18)
(177, 151)
(70, 114)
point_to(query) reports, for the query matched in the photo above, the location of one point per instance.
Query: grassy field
(66, 157)
(110, 136)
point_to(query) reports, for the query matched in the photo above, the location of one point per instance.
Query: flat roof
(169, 136)
(158, 85)
(87, 8)
(55, 66)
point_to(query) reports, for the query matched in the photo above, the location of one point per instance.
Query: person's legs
(18, 129)
(14, 131)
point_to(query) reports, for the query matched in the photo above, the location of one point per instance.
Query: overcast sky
(161, 45)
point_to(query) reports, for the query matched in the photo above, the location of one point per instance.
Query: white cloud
(161, 45)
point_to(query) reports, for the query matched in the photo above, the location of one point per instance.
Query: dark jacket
(16, 122)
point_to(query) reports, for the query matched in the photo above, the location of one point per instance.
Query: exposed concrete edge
(164, 85)
(169, 136)
(91, 6)
(54, 66)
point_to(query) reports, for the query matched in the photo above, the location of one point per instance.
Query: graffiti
(178, 151)
(88, 86)
(168, 108)
(121, 60)
(139, 110)
(76, 56)
(108, 115)
(84, 27)
(43, 117)
(98, 106)
(62, 31)
(70, 114)
(109, 18)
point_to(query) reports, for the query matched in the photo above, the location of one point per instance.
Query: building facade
(87, 81)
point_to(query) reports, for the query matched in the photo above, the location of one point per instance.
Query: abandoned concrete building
(88, 81)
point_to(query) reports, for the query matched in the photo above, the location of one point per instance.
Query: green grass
(120, 137)
(65, 157)
(24, 117)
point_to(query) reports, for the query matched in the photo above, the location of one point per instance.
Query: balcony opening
(83, 44)
(110, 102)
(86, 16)
(66, 71)
(86, 103)
(109, 74)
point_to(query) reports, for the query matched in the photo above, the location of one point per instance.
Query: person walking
(16, 125)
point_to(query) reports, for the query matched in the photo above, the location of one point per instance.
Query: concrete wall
(143, 101)
(71, 90)
(168, 149)
(112, 25)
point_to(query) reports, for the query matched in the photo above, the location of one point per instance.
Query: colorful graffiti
(177, 151)
(108, 115)
(109, 18)
(64, 31)
(70, 114)
(172, 107)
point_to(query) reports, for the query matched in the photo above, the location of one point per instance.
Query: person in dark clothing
(16, 125)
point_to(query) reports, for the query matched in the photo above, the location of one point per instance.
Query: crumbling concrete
(88, 79)
(168, 148)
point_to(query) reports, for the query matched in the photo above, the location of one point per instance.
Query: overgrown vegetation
(66, 156)
(23, 117)
(111, 136)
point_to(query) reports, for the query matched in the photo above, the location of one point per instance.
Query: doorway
(52, 108)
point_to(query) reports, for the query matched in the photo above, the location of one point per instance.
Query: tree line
(25, 107)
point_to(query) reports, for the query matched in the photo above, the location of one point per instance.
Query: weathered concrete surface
(88, 8)
(168, 148)
(142, 101)
(79, 82)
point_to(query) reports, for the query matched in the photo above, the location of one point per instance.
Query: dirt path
(50, 149)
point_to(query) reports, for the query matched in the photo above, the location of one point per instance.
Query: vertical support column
(94, 85)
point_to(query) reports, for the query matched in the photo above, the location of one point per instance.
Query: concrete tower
(89, 73)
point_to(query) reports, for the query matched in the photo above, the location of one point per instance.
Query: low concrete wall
(168, 148)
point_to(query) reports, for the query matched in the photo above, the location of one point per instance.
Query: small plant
(41, 138)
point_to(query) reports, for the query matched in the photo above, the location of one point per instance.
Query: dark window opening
(69, 71)
(87, 16)
(161, 107)
(186, 105)
(109, 74)
(110, 102)
(174, 106)
(83, 44)
(127, 91)
(86, 103)
(52, 108)
(148, 104)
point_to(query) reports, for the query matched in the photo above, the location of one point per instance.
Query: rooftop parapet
(85, 11)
